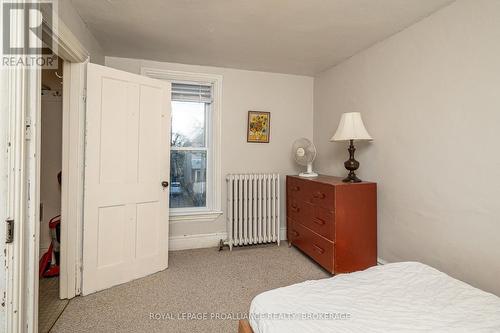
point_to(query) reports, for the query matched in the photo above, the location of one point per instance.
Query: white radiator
(253, 209)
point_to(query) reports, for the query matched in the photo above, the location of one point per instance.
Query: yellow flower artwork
(258, 126)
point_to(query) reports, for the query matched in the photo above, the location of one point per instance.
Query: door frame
(72, 169)
(23, 173)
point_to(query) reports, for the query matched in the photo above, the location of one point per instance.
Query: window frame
(213, 136)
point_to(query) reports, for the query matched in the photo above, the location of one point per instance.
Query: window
(191, 105)
(195, 170)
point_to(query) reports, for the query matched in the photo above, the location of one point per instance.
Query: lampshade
(351, 127)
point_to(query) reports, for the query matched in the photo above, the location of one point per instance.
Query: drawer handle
(318, 249)
(295, 188)
(295, 233)
(295, 208)
(319, 221)
(319, 195)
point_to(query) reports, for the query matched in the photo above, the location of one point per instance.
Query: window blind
(191, 93)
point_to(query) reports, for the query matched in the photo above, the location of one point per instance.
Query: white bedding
(399, 297)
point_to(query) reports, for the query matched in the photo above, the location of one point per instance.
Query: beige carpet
(50, 306)
(197, 281)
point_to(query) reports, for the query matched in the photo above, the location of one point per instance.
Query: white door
(127, 157)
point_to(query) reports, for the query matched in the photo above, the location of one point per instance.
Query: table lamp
(351, 128)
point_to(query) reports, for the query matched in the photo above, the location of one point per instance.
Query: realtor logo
(27, 40)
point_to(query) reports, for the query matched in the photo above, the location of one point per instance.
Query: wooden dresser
(334, 223)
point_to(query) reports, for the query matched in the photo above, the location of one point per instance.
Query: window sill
(203, 216)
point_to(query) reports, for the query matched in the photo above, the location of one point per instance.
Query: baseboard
(201, 241)
(381, 261)
(283, 233)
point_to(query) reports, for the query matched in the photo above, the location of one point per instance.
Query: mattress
(399, 297)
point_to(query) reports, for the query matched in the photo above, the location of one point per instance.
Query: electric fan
(304, 153)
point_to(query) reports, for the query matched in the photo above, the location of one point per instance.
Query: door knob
(164, 183)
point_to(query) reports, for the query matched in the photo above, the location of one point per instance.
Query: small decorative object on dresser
(304, 153)
(351, 128)
(333, 222)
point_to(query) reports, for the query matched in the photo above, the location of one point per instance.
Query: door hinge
(9, 232)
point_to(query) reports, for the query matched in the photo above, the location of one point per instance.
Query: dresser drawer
(323, 195)
(297, 188)
(295, 208)
(319, 219)
(314, 245)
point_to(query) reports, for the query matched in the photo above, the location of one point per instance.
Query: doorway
(148, 196)
(23, 181)
(50, 306)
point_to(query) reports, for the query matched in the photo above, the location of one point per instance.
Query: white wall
(73, 21)
(289, 98)
(430, 97)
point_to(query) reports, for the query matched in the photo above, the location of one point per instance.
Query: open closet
(50, 305)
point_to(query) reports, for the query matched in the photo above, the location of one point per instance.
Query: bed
(399, 297)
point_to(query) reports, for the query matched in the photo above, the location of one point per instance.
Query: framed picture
(259, 126)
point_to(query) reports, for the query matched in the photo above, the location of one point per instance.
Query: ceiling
(286, 36)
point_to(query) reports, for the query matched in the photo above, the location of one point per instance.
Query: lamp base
(351, 178)
(352, 165)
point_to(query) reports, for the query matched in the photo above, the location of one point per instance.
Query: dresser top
(328, 180)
